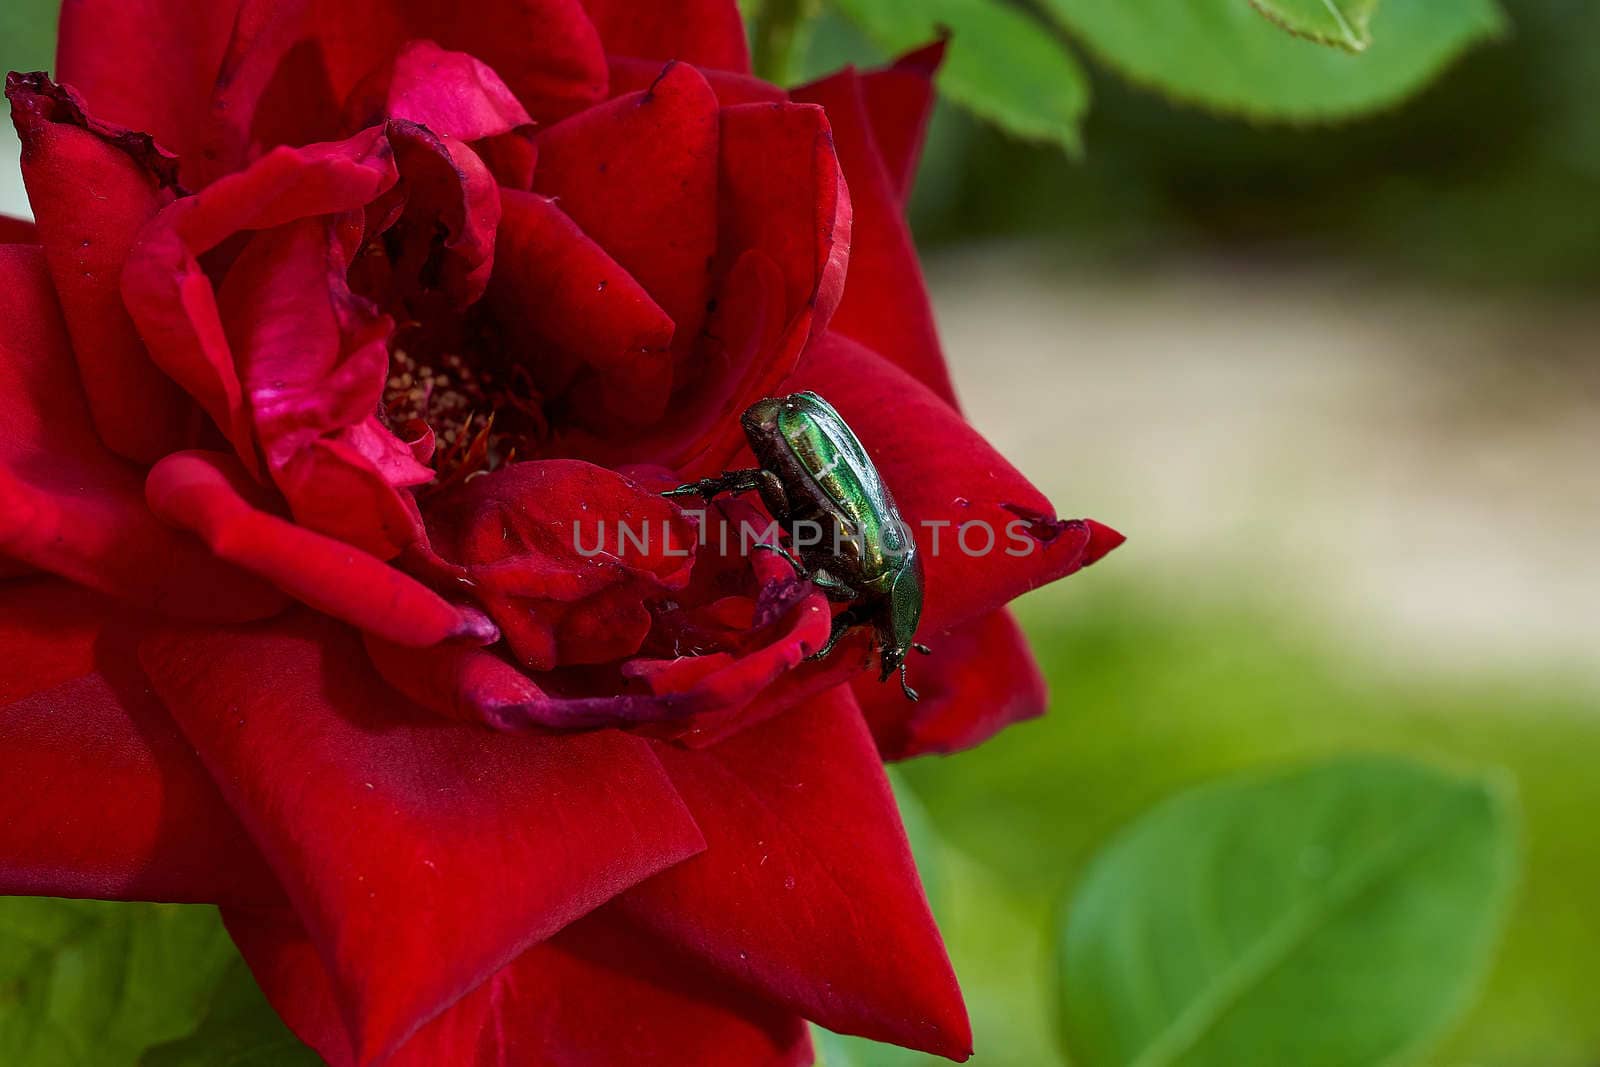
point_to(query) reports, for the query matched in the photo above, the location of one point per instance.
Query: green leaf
(1003, 65)
(91, 984)
(240, 1030)
(1220, 54)
(1336, 916)
(28, 34)
(1341, 23)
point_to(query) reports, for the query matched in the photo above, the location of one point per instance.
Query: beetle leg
(842, 624)
(911, 694)
(799, 568)
(740, 481)
(833, 587)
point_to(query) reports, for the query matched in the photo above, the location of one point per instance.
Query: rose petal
(209, 493)
(291, 61)
(899, 100)
(162, 84)
(707, 33)
(954, 490)
(639, 175)
(604, 344)
(452, 210)
(807, 892)
(885, 305)
(69, 506)
(781, 191)
(170, 296)
(92, 187)
(980, 679)
(453, 94)
(629, 75)
(598, 994)
(563, 555)
(421, 856)
(15, 231)
(102, 797)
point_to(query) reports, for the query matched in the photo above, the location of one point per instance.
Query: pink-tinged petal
(899, 100)
(312, 359)
(421, 856)
(92, 187)
(980, 679)
(147, 64)
(457, 97)
(596, 995)
(170, 296)
(604, 345)
(100, 796)
(563, 554)
(639, 175)
(292, 62)
(15, 231)
(69, 506)
(629, 75)
(885, 305)
(209, 493)
(986, 535)
(807, 892)
(453, 94)
(707, 33)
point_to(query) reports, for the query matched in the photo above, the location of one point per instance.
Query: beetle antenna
(924, 649)
(911, 694)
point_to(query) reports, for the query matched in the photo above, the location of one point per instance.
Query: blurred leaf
(1221, 54)
(239, 1030)
(1341, 23)
(1340, 916)
(28, 34)
(1003, 65)
(92, 984)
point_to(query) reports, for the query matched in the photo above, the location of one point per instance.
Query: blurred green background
(1338, 384)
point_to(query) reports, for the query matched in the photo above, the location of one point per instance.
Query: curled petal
(209, 493)
(707, 33)
(104, 797)
(170, 296)
(563, 554)
(92, 187)
(420, 856)
(807, 892)
(69, 506)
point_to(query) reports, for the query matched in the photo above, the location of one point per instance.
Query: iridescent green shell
(825, 446)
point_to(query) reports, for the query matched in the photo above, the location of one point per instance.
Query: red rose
(338, 317)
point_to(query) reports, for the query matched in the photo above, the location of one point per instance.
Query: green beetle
(815, 476)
